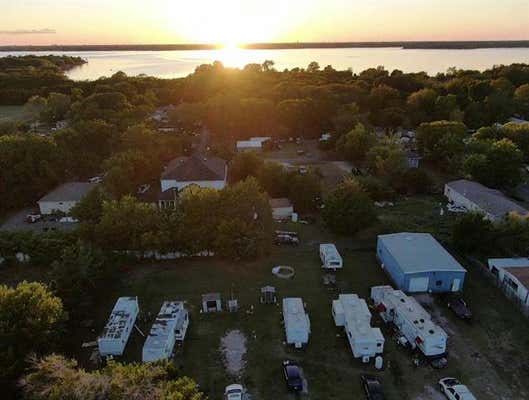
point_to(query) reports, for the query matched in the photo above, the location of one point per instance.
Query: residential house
(65, 197)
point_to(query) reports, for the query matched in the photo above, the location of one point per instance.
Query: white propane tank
(379, 362)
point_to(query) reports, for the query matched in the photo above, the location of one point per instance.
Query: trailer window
(438, 283)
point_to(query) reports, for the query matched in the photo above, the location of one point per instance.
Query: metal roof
(419, 252)
(509, 262)
(358, 317)
(489, 200)
(71, 191)
(124, 311)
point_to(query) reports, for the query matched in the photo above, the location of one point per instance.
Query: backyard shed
(65, 197)
(282, 208)
(169, 327)
(116, 333)
(351, 312)
(512, 276)
(416, 262)
(211, 302)
(297, 323)
(411, 319)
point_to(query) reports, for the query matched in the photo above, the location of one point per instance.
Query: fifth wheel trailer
(351, 313)
(411, 320)
(330, 257)
(116, 334)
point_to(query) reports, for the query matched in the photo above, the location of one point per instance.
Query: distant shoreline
(434, 45)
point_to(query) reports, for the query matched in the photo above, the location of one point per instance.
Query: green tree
(473, 233)
(355, 144)
(441, 141)
(273, 178)
(245, 164)
(421, 105)
(348, 209)
(56, 378)
(30, 318)
(521, 100)
(497, 165)
(386, 160)
(304, 192)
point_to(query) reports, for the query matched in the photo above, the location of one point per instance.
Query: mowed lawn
(11, 113)
(488, 354)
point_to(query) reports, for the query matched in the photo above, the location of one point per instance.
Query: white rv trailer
(411, 320)
(352, 313)
(114, 338)
(297, 323)
(330, 257)
(170, 327)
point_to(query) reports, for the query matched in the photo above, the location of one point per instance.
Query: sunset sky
(239, 21)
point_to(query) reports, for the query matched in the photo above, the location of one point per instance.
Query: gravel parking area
(17, 222)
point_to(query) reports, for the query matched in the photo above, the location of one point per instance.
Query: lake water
(175, 64)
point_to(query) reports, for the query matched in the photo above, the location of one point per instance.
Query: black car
(459, 307)
(372, 387)
(292, 375)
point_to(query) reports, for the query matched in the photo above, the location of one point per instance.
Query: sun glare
(229, 23)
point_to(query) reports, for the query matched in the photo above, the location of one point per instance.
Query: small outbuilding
(512, 276)
(282, 208)
(268, 295)
(211, 302)
(416, 262)
(65, 197)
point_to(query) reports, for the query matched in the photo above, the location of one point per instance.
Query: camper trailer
(352, 313)
(116, 334)
(297, 323)
(411, 320)
(330, 257)
(170, 327)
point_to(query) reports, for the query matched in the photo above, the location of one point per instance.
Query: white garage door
(419, 284)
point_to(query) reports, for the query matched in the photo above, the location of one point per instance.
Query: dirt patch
(430, 393)
(233, 347)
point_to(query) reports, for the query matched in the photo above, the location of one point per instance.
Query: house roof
(520, 273)
(489, 200)
(280, 203)
(195, 168)
(419, 252)
(71, 191)
(518, 262)
(249, 144)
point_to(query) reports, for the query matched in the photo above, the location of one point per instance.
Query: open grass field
(10, 113)
(488, 355)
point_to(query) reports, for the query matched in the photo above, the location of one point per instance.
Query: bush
(377, 188)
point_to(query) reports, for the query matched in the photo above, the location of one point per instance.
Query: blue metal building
(416, 262)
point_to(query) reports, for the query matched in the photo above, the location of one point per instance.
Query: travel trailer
(411, 320)
(116, 334)
(297, 323)
(330, 257)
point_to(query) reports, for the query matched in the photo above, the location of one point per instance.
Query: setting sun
(228, 23)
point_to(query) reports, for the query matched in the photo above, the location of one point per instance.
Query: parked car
(454, 390)
(143, 188)
(303, 170)
(32, 218)
(300, 152)
(68, 220)
(459, 307)
(292, 375)
(372, 387)
(234, 392)
(286, 239)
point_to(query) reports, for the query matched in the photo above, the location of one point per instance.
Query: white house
(330, 257)
(513, 277)
(170, 327)
(352, 313)
(473, 196)
(411, 319)
(282, 208)
(297, 323)
(206, 172)
(64, 197)
(116, 333)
